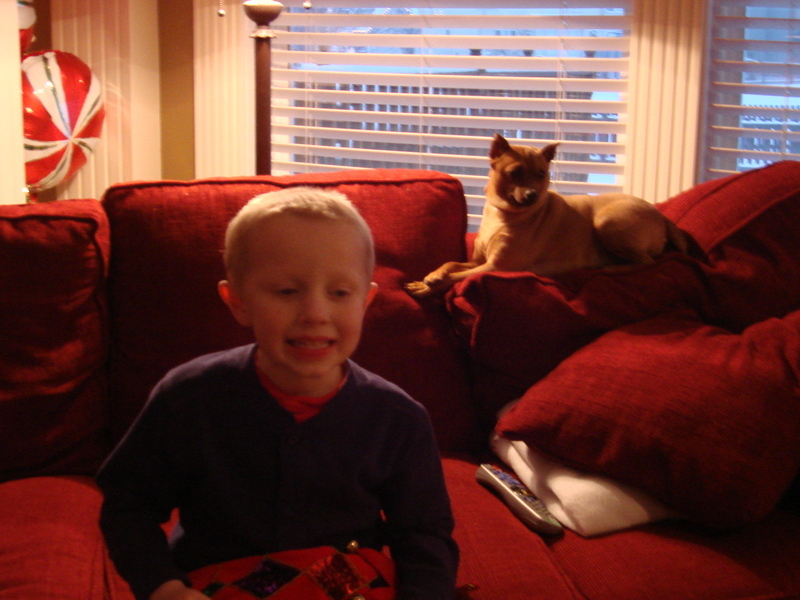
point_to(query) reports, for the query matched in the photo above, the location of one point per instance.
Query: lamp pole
(262, 13)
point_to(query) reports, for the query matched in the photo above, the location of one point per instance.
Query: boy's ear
(234, 302)
(373, 289)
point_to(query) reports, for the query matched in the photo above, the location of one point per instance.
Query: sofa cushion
(519, 326)
(166, 264)
(677, 560)
(499, 554)
(747, 225)
(53, 407)
(705, 420)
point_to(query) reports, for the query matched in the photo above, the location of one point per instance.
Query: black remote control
(529, 509)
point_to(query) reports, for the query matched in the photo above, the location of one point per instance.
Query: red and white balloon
(63, 116)
(27, 21)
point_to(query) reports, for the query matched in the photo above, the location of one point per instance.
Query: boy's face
(304, 294)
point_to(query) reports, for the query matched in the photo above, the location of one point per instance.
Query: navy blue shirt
(248, 479)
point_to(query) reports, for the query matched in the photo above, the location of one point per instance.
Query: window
(753, 94)
(359, 85)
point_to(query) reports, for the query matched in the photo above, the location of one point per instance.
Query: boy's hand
(175, 589)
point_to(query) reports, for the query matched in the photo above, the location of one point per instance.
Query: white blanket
(587, 504)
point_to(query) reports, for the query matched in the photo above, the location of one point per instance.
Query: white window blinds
(753, 99)
(360, 84)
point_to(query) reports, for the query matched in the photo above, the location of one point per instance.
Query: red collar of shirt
(302, 407)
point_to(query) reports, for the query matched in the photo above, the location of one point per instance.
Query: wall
(12, 160)
(224, 90)
(176, 41)
(118, 39)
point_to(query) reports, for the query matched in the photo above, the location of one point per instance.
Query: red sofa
(679, 378)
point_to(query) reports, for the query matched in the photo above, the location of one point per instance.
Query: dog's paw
(418, 289)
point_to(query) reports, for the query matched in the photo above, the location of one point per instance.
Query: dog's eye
(541, 174)
(517, 173)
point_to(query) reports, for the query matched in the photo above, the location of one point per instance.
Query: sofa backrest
(167, 239)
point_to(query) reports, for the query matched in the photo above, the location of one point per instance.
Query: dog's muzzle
(524, 198)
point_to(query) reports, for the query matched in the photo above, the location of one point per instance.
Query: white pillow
(587, 504)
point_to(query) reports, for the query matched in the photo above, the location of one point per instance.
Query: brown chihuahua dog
(526, 227)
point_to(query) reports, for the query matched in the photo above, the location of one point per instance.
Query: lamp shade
(262, 12)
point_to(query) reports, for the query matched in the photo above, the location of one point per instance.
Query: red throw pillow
(705, 420)
(747, 225)
(53, 407)
(321, 573)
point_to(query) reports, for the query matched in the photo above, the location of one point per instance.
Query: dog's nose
(531, 194)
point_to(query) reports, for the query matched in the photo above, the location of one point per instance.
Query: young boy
(286, 443)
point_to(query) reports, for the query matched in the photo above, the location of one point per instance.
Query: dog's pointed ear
(499, 146)
(549, 152)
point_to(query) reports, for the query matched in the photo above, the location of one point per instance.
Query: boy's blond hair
(310, 202)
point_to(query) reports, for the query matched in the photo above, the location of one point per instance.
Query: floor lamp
(262, 13)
